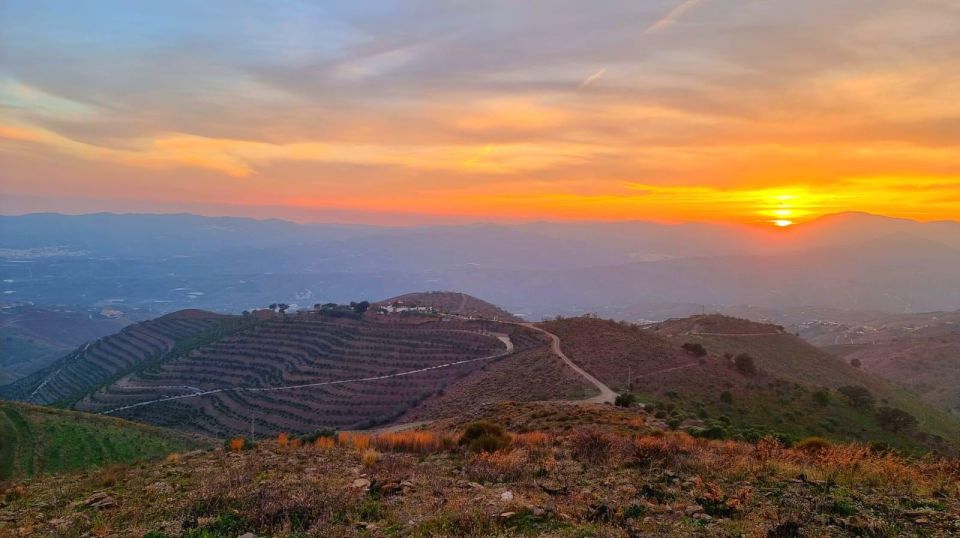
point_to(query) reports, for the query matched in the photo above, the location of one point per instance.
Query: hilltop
(451, 302)
(551, 474)
(37, 440)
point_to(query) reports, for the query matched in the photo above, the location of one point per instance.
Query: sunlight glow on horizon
(352, 112)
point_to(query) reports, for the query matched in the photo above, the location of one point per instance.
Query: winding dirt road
(607, 395)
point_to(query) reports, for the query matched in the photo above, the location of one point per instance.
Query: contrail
(593, 77)
(671, 16)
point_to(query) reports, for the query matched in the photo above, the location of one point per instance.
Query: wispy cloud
(589, 80)
(672, 16)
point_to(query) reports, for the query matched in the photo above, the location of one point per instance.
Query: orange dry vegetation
(416, 442)
(324, 443)
(283, 439)
(236, 444)
(358, 441)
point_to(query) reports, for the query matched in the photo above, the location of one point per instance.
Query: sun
(782, 223)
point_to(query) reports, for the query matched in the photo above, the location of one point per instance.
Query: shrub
(370, 457)
(498, 466)
(674, 423)
(855, 363)
(238, 444)
(726, 397)
(821, 397)
(311, 437)
(812, 445)
(484, 436)
(532, 440)
(858, 396)
(745, 364)
(592, 445)
(283, 439)
(895, 420)
(695, 348)
(323, 443)
(625, 400)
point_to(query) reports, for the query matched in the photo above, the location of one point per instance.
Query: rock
(247, 535)
(391, 488)
(537, 511)
(475, 485)
(100, 500)
(361, 483)
(921, 521)
(506, 496)
(693, 509)
(409, 484)
(508, 514)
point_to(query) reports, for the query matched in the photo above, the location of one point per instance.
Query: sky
(400, 112)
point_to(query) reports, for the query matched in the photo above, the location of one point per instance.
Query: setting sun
(783, 223)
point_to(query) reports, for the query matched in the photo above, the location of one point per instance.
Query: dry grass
(324, 443)
(357, 441)
(419, 442)
(237, 444)
(583, 483)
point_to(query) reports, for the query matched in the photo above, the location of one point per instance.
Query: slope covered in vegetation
(303, 372)
(619, 477)
(36, 440)
(746, 382)
(98, 362)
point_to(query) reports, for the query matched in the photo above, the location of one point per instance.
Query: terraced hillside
(300, 373)
(792, 390)
(93, 364)
(36, 440)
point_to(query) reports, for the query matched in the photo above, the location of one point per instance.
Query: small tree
(895, 420)
(858, 395)
(855, 362)
(744, 364)
(726, 397)
(273, 306)
(282, 307)
(695, 348)
(625, 400)
(360, 307)
(821, 397)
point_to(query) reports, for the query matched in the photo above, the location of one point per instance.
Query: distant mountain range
(851, 261)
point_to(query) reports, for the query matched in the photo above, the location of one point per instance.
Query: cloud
(672, 16)
(596, 75)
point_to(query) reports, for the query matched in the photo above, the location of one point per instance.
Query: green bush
(726, 397)
(625, 400)
(821, 397)
(745, 364)
(484, 436)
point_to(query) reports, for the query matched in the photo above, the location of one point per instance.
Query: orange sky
(698, 110)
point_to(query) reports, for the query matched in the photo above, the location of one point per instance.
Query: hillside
(304, 372)
(555, 475)
(710, 393)
(32, 337)
(920, 352)
(97, 362)
(36, 440)
(451, 302)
